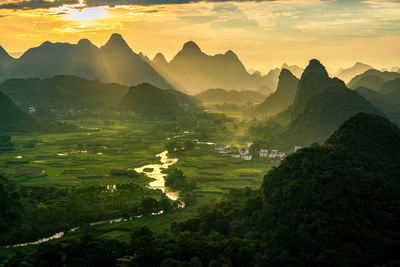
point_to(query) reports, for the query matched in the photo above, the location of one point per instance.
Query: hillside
(336, 205)
(63, 93)
(5, 59)
(323, 114)
(282, 97)
(12, 118)
(391, 86)
(221, 96)
(388, 103)
(373, 79)
(314, 79)
(371, 136)
(145, 100)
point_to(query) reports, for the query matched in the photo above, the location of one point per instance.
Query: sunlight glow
(80, 12)
(88, 13)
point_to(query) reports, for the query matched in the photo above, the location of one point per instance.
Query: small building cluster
(244, 152)
(263, 153)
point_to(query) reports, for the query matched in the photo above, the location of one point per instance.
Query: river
(158, 183)
(156, 173)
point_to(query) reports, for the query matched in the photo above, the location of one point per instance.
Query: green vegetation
(320, 106)
(12, 118)
(63, 95)
(327, 205)
(6, 143)
(148, 101)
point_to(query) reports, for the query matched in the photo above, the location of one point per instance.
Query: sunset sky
(264, 34)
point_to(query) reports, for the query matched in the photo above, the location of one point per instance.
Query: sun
(80, 12)
(88, 13)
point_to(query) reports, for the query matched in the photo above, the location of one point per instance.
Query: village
(245, 152)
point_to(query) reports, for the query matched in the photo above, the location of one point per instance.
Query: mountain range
(113, 62)
(320, 105)
(191, 70)
(373, 79)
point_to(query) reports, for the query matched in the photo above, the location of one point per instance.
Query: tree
(141, 238)
(5, 143)
(172, 146)
(188, 145)
(149, 205)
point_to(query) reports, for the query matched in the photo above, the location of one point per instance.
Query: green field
(86, 158)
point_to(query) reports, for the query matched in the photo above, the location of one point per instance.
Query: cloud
(231, 16)
(36, 4)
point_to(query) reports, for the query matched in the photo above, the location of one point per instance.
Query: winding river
(158, 183)
(156, 173)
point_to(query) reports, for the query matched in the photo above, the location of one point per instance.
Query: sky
(264, 34)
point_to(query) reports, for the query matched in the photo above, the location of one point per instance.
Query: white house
(248, 145)
(223, 149)
(274, 153)
(281, 155)
(32, 109)
(263, 153)
(248, 157)
(244, 151)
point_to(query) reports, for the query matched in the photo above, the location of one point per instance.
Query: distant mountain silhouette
(347, 74)
(146, 100)
(282, 97)
(159, 60)
(314, 79)
(373, 79)
(221, 96)
(113, 62)
(12, 118)
(193, 71)
(272, 78)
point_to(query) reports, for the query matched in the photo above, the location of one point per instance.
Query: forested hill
(148, 101)
(12, 118)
